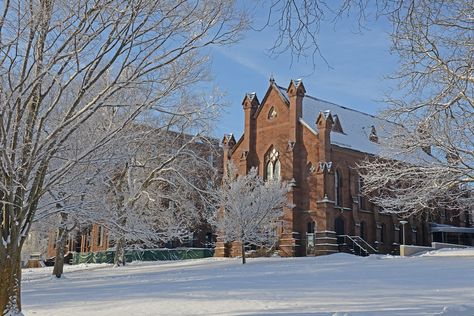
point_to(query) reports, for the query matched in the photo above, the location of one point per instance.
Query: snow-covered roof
(435, 227)
(356, 126)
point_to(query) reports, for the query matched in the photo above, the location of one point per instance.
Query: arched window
(363, 230)
(269, 171)
(272, 113)
(273, 166)
(338, 188)
(276, 170)
(311, 227)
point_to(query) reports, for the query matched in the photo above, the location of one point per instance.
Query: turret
(325, 122)
(296, 92)
(228, 143)
(250, 105)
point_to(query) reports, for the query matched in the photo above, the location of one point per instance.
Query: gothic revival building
(315, 145)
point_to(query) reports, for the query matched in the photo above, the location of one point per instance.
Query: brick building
(315, 145)
(96, 237)
(90, 238)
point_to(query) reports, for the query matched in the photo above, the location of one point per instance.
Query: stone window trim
(341, 208)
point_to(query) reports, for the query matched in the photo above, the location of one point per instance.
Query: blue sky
(358, 63)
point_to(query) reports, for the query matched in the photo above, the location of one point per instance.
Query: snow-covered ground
(339, 284)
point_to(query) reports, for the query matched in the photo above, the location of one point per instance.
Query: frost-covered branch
(251, 209)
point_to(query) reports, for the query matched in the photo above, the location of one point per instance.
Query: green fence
(143, 255)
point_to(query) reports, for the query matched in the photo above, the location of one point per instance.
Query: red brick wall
(312, 184)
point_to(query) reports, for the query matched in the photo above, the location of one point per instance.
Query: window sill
(341, 208)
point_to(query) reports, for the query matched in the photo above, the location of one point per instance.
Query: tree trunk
(243, 253)
(119, 259)
(60, 245)
(10, 280)
(63, 234)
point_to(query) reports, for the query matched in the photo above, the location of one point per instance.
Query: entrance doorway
(339, 228)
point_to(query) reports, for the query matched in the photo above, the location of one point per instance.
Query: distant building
(315, 145)
(96, 237)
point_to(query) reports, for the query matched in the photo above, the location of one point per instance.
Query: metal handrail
(368, 245)
(354, 242)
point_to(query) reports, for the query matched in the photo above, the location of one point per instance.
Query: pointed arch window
(273, 166)
(269, 171)
(276, 170)
(338, 188)
(272, 113)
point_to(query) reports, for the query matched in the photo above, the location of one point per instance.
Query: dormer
(337, 127)
(373, 135)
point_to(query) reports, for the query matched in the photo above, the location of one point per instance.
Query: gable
(273, 93)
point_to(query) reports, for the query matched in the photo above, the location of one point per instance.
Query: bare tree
(158, 188)
(153, 197)
(251, 209)
(69, 205)
(434, 101)
(53, 55)
(296, 24)
(71, 201)
(435, 145)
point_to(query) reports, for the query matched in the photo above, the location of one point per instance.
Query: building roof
(443, 228)
(356, 126)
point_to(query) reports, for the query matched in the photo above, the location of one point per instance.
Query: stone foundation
(221, 250)
(289, 245)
